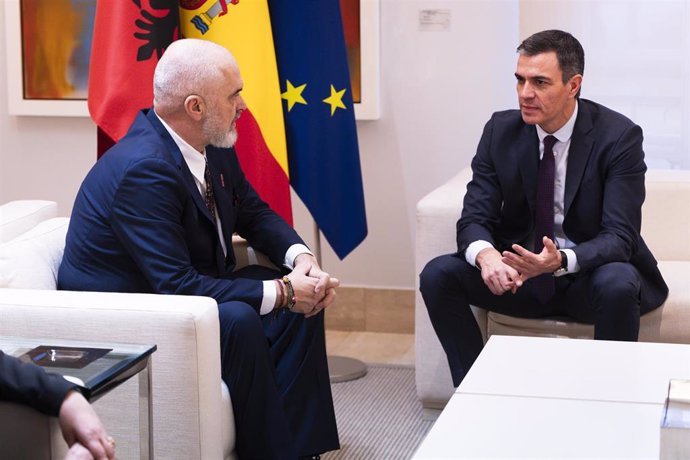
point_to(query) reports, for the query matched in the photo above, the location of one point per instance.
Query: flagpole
(340, 368)
(317, 244)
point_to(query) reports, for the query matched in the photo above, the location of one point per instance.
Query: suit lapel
(177, 158)
(580, 149)
(528, 161)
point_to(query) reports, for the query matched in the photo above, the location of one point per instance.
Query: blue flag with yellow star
(323, 155)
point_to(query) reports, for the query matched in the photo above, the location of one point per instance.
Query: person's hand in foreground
(80, 425)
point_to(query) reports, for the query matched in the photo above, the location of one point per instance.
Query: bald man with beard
(156, 214)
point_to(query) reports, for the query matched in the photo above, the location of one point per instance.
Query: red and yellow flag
(244, 28)
(131, 35)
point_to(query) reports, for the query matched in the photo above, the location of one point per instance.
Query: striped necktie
(209, 197)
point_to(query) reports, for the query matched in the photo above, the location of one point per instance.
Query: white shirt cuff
(474, 249)
(573, 266)
(269, 300)
(293, 252)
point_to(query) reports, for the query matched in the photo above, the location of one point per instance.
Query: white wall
(41, 157)
(438, 90)
(637, 61)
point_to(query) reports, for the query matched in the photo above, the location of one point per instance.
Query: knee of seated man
(437, 273)
(616, 280)
(240, 317)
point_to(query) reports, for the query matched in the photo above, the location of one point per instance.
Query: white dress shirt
(561, 149)
(196, 162)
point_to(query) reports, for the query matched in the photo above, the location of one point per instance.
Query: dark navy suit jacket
(30, 385)
(139, 223)
(604, 192)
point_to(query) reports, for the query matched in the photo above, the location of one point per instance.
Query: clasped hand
(314, 288)
(508, 271)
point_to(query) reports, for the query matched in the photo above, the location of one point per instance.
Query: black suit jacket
(30, 385)
(139, 223)
(604, 192)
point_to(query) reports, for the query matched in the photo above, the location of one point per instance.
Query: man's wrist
(293, 253)
(563, 267)
(473, 250)
(481, 257)
(290, 298)
(300, 258)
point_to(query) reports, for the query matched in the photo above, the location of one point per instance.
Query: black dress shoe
(311, 457)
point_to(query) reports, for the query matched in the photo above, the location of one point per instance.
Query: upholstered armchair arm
(437, 214)
(186, 377)
(27, 433)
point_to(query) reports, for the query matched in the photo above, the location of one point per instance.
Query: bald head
(196, 91)
(188, 66)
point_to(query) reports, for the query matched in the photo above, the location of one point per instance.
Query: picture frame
(367, 109)
(17, 104)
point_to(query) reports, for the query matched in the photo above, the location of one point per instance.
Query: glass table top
(96, 367)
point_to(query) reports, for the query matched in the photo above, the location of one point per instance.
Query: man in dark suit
(558, 235)
(157, 214)
(29, 385)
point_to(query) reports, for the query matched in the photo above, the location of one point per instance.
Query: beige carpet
(378, 415)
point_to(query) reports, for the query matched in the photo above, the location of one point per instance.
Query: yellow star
(335, 99)
(293, 95)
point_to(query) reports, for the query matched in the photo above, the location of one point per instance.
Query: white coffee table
(531, 397)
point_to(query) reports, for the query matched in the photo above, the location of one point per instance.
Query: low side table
(96, 368)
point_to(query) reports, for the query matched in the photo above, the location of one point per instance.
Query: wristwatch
(564, 265)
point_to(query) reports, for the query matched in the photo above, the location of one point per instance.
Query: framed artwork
(361, 27)
(48, 48)
(49, 45)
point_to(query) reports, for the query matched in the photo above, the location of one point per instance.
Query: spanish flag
(244, 28)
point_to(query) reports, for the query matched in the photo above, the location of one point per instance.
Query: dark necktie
(544, 284)
(209, 196)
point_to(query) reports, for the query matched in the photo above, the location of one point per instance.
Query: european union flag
(323, 155)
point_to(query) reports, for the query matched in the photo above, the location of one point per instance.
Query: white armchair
(192, 414)
(665, 228)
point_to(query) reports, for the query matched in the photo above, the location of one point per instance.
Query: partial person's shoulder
(132, 154)
(142, 142)
(505, 122)
(507, 116)
(602, 115)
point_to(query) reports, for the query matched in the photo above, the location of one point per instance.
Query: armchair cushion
(17, 217)
(32, 260)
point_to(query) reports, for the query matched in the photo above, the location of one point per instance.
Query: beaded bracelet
(291, 299)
